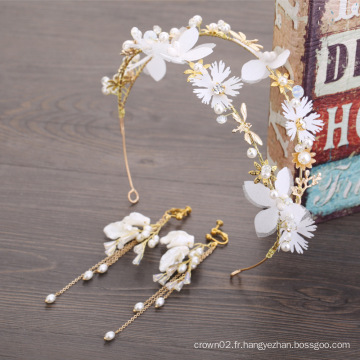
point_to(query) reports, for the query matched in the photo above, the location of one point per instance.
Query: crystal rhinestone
(109, 336)
(298, 91)
(179, 286)
(88, 275)
(266, 171)
(221, 119)
(50, 298)
(159, 302)
(218, 89)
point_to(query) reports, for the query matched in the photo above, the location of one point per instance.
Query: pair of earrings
(136, 232)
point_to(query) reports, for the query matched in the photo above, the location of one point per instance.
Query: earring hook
(217, 232)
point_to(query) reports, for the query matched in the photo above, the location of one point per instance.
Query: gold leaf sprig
(304, 183)
(253, 44)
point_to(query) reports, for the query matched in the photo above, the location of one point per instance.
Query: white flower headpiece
(276, 193)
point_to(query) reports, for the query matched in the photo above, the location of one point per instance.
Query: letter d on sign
(337, 62)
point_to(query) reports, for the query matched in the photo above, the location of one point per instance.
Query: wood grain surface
(63, 179)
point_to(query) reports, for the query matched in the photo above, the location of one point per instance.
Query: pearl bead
(199, 251)
(164, 37)
(193, 266)
(147, 228)
(295, 102)
(283, 80)
(105, 90)
(103, 268)
(157, 29)
(219, 109)
(280, 205)
(182, 268)
(195, 260)
(159, 302)
(274, 194)
(222, 119)
(109, 336)
(299, 148)
(192, 22)
(297, 91)
(266, 171)
(88, 275)
(285, 246)
(304, 158)
(145, 234)
(127, 44)
(139, 237)
(104, 80)
(136, 33)
(198, 19)
(151, 243)
(174, 31)
(213, 27)
(308, 143)
(221, 22)
(156, 239)
(50, 298)
(138, 307)
(225, 28)
(251, 153)
(198, 67)
(287, 236)
(192, 253)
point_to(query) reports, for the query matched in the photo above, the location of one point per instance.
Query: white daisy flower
(181, 49)
(302, 120)
(215, 87)
(296, 221)
(274, 201)
(255, 70)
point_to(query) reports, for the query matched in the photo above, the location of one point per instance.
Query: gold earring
(176, 265)
(135, 230)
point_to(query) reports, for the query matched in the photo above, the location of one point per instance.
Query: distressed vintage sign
(324, 39)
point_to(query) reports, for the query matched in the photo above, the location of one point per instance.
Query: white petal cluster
(296, 221)
(255, 70)
(215, 86)
(121, 232)
(176, 46)
(302, 114)
(177, 238)
(274, 201)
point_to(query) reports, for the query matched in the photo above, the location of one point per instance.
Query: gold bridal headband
(273, 190)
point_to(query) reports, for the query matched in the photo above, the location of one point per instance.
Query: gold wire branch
(304, 183)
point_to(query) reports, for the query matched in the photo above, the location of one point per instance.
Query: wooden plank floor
(63, 179)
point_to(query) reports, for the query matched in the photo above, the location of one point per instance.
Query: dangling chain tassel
(269, 254)
(197, 255)
(102, 266)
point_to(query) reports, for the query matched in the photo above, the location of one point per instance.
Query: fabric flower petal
(254, 71)
(197, 53)
(156, 68)
(280, 60)
(266, 222)
(188, 39)
(258, 194)
(284, 181)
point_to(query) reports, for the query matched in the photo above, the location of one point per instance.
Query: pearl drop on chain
(304, 157)
(151, 243)
(159, 302)
(50, 298)
(285, 246)
(222, 119)
(199, 251)
(103, 268)
(298, 91)
(138, 307)
(88, 275)
(251, 153)
(109, 336)
(182, 268)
